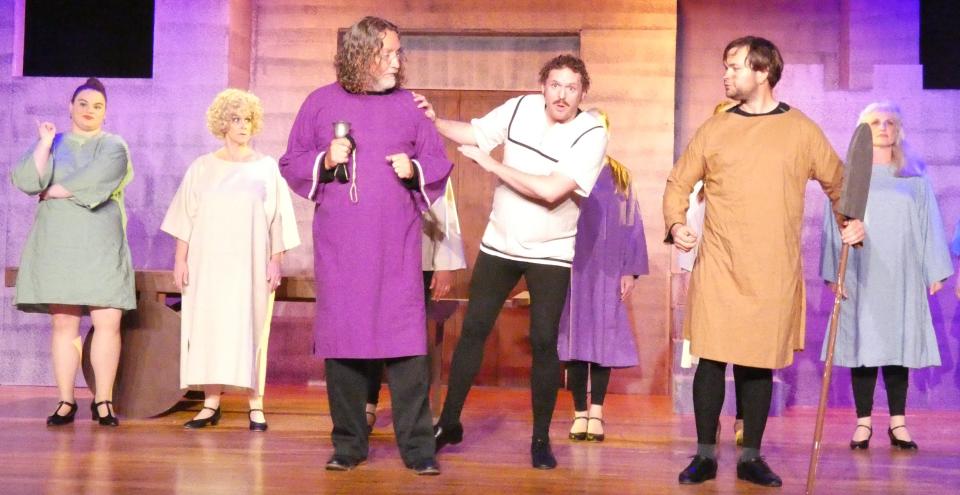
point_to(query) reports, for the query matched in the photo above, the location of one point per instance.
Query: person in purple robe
(369, 185)
(595, 333)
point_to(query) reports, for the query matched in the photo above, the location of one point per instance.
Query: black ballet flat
(578, 437)
(255, 426)
(595, 437)
(900, 444)
(863, 444)
(58, 420)
(109, 420)
(193, 424)
(446, 435)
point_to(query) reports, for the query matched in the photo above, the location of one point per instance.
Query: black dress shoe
(342, 463)
(900, 444)
(58, 420)
(758, 472)
(445, 435)
(255, 426)
(426, 467)
(109, 420)
(862, 444)
(202, 423)
(541, 455)
(699, 470)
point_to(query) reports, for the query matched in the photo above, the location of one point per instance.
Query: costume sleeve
(442, 239)
(182, 211)
(25, 176)
(491, 130)
(94, 183)
(826, 168)
(937, 265)
(955, 245)
(302, 164)
(284, 235)
(829, 246)
(430, 159)
(635, 260)
(584, 161)
(686, 172)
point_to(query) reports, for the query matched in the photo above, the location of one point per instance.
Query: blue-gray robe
(886, 318)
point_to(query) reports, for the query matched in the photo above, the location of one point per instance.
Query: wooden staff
(827, 369)
(853, 205)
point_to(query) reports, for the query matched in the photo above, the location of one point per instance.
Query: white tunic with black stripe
(521, 228)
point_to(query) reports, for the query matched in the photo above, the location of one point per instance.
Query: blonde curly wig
(233, 102)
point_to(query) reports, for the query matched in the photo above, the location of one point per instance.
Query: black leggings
(864, 380)
(754, 388)
(577, 372)
(493, 278)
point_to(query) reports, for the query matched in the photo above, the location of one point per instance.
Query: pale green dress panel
(77, 252)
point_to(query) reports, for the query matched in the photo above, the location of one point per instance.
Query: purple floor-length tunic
(369, 284)
(610, 243)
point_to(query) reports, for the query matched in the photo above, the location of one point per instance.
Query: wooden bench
(148, 377)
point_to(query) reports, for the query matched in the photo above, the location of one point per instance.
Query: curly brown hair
(569, 61)
(359, 49)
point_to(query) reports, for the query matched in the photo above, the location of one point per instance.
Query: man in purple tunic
(369, 186)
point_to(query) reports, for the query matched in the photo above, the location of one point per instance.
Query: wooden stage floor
(647, 445)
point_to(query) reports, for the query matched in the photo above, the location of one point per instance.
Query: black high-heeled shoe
(110, 419)
(255, 426)
(371, 420)
(862, 444)
(595, 437)
(58, 420)
(581, 436)
(900, 444)
(202, 423)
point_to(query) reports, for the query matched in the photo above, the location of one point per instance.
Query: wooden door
(507, 355)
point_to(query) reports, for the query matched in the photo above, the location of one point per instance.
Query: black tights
(754, 389)
(864, 380)
(577, 372)
(493, 278)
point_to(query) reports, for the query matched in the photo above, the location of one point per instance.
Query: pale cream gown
(234, 217)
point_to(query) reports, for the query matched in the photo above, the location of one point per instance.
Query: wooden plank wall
(630, 50)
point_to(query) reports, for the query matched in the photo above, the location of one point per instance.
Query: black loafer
(699, 470)
(758, 472)
(447, 435)
(426, 467)
(341, 463)
(541, 455)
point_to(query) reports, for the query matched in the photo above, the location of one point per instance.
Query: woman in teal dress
(76, 259)
(885, 324)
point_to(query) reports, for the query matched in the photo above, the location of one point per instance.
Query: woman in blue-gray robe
(885, 321)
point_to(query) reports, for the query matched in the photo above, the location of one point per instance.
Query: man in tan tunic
(747, 298)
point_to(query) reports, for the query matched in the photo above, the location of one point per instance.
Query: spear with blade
(853, 203)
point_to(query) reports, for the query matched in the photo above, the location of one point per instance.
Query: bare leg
(105, 353)
(65, 321)
(211, 399)
(256, 402)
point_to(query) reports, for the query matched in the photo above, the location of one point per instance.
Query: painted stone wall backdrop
(162, 120)
(831, 80)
